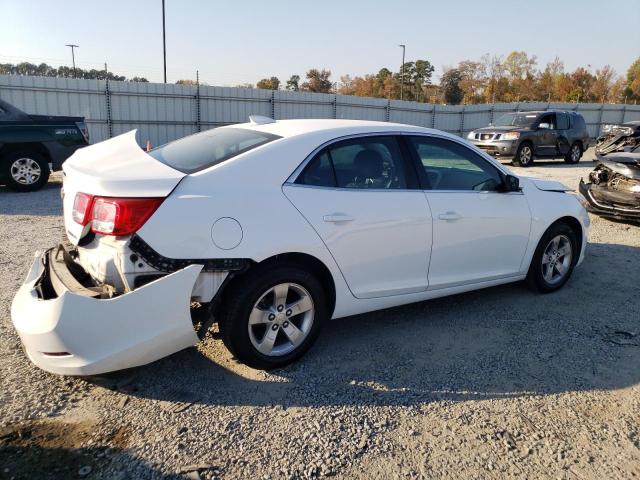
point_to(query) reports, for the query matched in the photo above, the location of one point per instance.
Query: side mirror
(511, 184)
(544, 126)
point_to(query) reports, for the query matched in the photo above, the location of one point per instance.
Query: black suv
(525, 135)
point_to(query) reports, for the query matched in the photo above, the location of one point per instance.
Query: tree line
(44, 70)
(491, 79)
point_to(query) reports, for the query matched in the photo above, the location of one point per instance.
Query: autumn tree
(317, 81)
(632, 89)
(602, 85)
(293, 84)
(272, 83)
(473, 81)
(450, 84)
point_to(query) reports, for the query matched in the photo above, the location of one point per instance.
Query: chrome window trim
(296, 173)
(344, 189)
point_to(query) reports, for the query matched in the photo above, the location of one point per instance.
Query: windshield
(203, 150)
(515, 119)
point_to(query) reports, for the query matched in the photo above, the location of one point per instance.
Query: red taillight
(121, 216)
(82, 208)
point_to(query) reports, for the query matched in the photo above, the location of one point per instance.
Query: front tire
(554, 259)
(25, 171)
(272, 316)
(524, 155)
(574, 153)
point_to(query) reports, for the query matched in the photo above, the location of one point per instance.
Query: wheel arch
(574, 224)
(303, 260)
(35, 147)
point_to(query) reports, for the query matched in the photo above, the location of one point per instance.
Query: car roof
(538, 112)
(335, 127)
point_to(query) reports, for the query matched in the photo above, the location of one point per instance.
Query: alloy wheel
(575, 154)
(281, 319)
(25, 171)
(525, 155)
(556, 259)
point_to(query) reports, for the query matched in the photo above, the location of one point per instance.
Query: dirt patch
(50, 449)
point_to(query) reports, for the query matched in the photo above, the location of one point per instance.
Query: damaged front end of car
(618, 138)
(614, 186)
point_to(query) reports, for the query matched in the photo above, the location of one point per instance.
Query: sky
(232, 43)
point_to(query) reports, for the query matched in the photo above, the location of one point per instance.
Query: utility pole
(164, 44)
(402, 74)
(73, 56)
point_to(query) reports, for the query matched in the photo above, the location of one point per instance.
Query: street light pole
(164, 44)
(73, 56)
(402, 74)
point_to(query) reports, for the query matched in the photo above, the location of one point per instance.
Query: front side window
(450, 166)
(360, 163)
(547, 121)
(203, 150)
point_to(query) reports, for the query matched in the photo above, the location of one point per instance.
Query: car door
(479, 232)
(362, 197)
(563, 134)
(546, 135)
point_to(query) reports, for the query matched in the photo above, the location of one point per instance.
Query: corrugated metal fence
(164, 112)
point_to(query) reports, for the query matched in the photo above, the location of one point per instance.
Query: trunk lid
(117, 167)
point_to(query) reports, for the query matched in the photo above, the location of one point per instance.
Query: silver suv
(524, 136)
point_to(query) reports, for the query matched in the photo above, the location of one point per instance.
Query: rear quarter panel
(248, 190)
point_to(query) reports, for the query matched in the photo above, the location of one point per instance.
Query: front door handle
(337, 217)
(449, 216)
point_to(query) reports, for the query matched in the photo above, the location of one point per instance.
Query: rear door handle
(449, 216)
(337, 217)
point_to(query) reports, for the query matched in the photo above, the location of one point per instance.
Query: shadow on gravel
(44, 202)
(50, 449)
(495, 343)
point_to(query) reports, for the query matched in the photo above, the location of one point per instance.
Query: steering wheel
(391, 172)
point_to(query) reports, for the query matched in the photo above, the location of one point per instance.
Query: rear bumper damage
(610, 204)
(70, 327)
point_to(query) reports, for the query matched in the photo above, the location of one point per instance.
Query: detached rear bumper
(608, 209)
(67, 329)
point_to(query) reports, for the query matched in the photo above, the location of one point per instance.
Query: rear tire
(574, 153)
(257, 319)
(25, 171)
(554, 259)
(524, 155)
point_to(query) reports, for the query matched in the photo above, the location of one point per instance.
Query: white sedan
(271, 228)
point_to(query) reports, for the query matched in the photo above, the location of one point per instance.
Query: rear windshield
(203, 150)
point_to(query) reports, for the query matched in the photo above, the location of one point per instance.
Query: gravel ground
(491, 384)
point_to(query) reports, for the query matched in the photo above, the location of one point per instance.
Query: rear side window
(203, 150)
(563, 123)
(360, 163)
(578, 122)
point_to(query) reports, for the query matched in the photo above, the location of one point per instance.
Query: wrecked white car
(270, 229)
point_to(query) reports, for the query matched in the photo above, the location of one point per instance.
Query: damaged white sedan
(270, 228)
